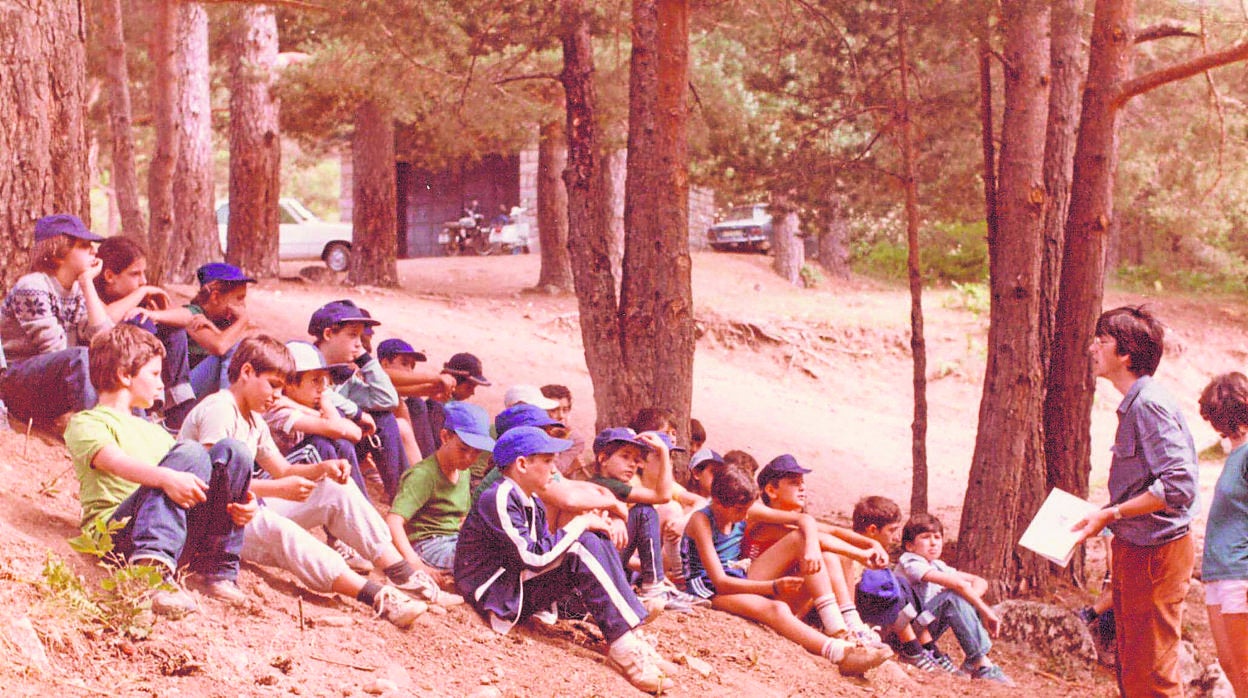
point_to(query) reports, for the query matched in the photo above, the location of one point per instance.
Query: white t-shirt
(218, 417)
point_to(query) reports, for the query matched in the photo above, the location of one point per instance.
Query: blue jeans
(211, 374)
(316, 448)
(389, 456)
(203, 538)
(947, 610)
(47, 386)
(438, 551)
(644, 537)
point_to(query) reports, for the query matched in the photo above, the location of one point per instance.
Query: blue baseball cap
(666, 439)
(467, 366)
(704, 456)
(621, 435)
(220, 271)
(63, 224)
(526, 441)
(336, 313)
(470, 423)
(779, 468)
(390, 348)
(522, 414)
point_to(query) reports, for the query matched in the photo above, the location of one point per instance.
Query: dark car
(743, 228)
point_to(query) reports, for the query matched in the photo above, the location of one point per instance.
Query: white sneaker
(422, 586)
(398, 608)
(354, 560)
(634, 659)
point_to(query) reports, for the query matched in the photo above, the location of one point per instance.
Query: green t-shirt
(93, 429)
(429, 503)
(619, 488)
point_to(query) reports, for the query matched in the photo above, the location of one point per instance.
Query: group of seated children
(274, 442)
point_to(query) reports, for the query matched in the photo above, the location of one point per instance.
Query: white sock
(829, 614)
(850, 613)
(833, 650)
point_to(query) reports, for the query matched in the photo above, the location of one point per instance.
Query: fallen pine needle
(348, 665)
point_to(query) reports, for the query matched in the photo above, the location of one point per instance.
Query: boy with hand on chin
(181, 504)
(511, 566)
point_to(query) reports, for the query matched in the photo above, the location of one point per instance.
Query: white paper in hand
(1049, 534)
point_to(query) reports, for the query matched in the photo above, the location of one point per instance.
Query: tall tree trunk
(914, 273)
(255, 143)
(552, 210)
(834, 240)
(588, 246)
(43, 148)
(987, 139)
(788, 250)
(1071, 383)
(375, 219)
(656, 299)
(1007, 470)
(125, 180)
(1067, 70)
(165, 151)
(614, 173)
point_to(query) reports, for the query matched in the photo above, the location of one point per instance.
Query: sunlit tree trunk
(374, 222)
(195, 239)
(125, 180)
(43, 147)
(165, 150)
(552, 211)
(787, 250)
(255, 143)
(834, 239)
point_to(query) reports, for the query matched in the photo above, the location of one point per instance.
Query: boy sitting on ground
(511, 566)
(301, 496)
(950, 598)
(434, 495)
(180, 504)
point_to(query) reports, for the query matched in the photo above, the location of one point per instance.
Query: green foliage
(122, 603)
(973, 297)
(810, 276)
(951, 253)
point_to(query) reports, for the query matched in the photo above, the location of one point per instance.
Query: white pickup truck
(302, 235)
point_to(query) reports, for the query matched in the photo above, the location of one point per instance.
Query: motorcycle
(468, 234)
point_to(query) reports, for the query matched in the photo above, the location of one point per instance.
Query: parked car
(302, 235)
(743, 228)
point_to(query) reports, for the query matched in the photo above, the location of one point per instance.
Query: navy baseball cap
(63, 224)
(390, 348)
(522, 414)
(621, 435)
(470, 423)
(220, 271)
(666, 439)
(335, 313)
(465, 365)
(526, 441)
(779, 468)
(704, 456)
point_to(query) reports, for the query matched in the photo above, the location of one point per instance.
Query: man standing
(1152, 493)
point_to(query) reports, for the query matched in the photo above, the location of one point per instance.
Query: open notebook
(1049, 534)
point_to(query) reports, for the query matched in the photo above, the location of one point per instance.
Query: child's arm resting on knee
(185, 489)
(812, 559)
(958, 583)
(577, 496)
(877, 556)
(396, 525)
(699, 529)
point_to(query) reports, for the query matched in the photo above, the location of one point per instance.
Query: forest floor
(824, 374)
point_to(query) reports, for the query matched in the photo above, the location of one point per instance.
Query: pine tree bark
(1007, 469)
(125, 179)
(588, 246)
(788, 251)
(914, 275)
(833, 241)
(255, 143)
(43, 147)
(374, 221)
(552, 211)
(656, 299)
(160, 170)
(195, 240)
(614, 174)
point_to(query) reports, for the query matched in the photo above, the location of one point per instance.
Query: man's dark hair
(1137, 334)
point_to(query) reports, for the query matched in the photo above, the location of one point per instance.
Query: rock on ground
(1050, 630)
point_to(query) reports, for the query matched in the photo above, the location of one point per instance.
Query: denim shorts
(1230, 594)
(437, 551)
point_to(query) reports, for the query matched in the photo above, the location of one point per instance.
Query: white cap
(308, 358)
(529, 395)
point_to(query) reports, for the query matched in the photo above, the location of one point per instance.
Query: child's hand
(367, 424)
(812, 561)
(787, 586)
(155, 298)
(185, 489)
(593, 521)
(654, 442)
(618, 532)
(991, 621)
(242, 512)
(294, 487)
(88, 275)
(443, 392)
(877, 557)
(337, 469)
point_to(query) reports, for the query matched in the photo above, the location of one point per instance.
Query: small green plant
(122, 603)
(810, 276)
(973, 296)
